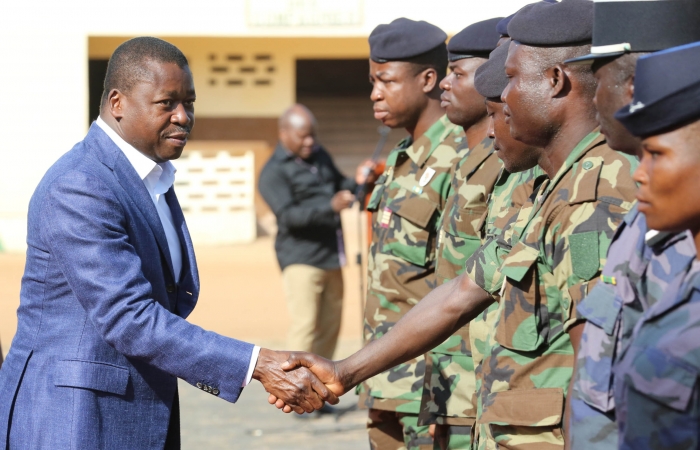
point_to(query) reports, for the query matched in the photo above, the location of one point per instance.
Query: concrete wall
(45, 46)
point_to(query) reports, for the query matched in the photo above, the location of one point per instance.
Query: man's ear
(558, 80)
(115, 104)
(429, 80)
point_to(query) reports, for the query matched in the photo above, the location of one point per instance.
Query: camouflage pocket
(520, 315)
(525, 419)
(662, 377)
(465, 223)
(376, 197)
(409, 236)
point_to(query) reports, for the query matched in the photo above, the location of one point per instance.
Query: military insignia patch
(386, 217)
(426, 177)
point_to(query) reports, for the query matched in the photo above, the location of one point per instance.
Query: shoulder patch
(585, 260)
(585, 182)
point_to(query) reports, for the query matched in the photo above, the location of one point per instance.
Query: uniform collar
(420, 150)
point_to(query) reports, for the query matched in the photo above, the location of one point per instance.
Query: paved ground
(241, 297)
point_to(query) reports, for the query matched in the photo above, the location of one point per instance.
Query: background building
(251, 59)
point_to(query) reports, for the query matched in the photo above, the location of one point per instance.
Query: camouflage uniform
(656, 378)
(449, 385)
(510, 195)
(639, 269)
(560, 241)
(407, 201)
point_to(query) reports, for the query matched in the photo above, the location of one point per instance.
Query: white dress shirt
(158, 178)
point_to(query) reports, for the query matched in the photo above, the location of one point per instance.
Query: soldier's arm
(435, 318)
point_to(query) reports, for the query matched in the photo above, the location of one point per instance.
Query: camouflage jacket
(656, 379)
(560, 243)
(407, 202)
(640, 266)
(449, 383)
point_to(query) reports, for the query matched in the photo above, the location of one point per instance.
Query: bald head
(297, 130)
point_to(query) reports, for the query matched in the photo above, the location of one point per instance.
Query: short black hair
(433, 59)
(127, 65)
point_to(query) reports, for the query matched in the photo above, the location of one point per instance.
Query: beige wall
(217, 98)
(44, 53)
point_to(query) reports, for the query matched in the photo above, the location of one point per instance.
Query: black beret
(569, 22)
(666, 91)
(620, 27)
(404, 39)
(478, 39)
(502, 26)
(490, 78)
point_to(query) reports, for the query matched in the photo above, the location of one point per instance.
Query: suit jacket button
(199, 385)
(170, 288)
(215, 391)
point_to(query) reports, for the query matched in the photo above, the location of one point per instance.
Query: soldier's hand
(327, 372)
(300, 389)
(342, 200)
(365, 172)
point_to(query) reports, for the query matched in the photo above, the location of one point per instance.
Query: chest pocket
(377, 193)
(594, 377)
(409, 235)
(466, 222)
(521, 313)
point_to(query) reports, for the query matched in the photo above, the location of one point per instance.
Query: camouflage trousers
(514, 437)
(389, 430)
(448, 437)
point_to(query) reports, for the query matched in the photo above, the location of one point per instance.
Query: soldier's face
(463, 104)
(526, 96)
(669, 181)
(516, 156)
(399, 92)
(615, 89)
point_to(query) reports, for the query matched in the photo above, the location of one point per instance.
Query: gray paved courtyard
(210, 423)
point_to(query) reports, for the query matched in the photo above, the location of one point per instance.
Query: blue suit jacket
(101, 336)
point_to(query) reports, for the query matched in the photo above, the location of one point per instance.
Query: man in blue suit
(111, 276)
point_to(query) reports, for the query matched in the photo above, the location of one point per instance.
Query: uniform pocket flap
(95, 375)
(528, 407)
(415, 209)
(375, 198)
(519, 261)
(663, 378)
(466, 223)
(600, 307)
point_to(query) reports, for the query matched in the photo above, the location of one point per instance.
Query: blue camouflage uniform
(641, 266)
(656, 377)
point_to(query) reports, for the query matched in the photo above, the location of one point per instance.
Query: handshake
(298, 381)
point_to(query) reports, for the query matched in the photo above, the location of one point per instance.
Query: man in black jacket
(307, 192)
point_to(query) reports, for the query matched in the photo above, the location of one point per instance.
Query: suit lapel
(126, 175)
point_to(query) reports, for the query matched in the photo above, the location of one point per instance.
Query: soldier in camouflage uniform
(640, 265)
(407, 202)
(559, 238)
(449, 388)
(655, 378)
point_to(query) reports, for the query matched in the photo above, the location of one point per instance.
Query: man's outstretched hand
(298, 388)
(326, 371)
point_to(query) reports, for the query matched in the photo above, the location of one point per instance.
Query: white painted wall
(43, 67)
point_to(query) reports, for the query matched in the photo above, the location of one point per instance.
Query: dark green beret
(404, 39)
(478, 39)
(490, 79)
(569, 22)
